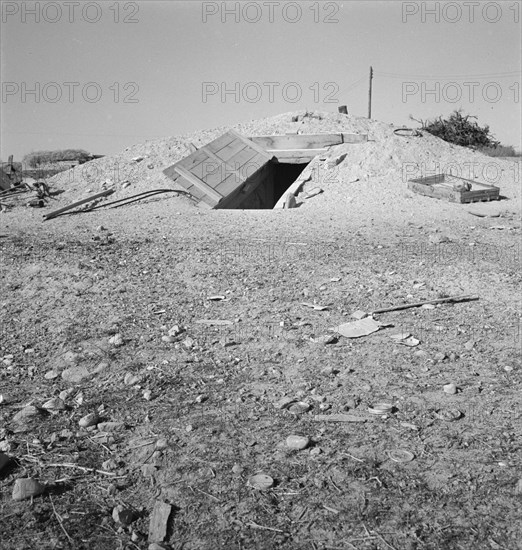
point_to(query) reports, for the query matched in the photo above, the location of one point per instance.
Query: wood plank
(231, 183)
(78, 203)
(354, 138)
(258, 148)
(298, 141)
(201, 185)
(249, 167)
(303, 155)
(231, 149)
(222, 141)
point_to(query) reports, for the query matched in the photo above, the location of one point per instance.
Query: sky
(104, 75)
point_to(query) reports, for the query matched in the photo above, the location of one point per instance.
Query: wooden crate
(442, 186)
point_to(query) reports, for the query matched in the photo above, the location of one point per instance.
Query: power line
(510, 74)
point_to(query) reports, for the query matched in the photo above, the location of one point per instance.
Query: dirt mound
(372, 176)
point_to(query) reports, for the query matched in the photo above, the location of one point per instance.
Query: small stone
(122, 515)
(116, 340)
(148, 470)
(508, 368)
(111, 426)
(26, 413)
(63, 395)
(74, 375)
(131, 379)
(189, 428)
(261, 482)
(450, 389)
(316, 451)
(440, 356)
(237, 469)
(175, 330)
(110, 465)
(51, 375)
(156, 546)
(469, 345)
(188, 342)
(201, 398)
(54, 404)
(147, 394)
(168, 339)
(26, 488)
(297, 442)
(162, 444)
(88, 420)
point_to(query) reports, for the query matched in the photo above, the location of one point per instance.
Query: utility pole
(370, 94)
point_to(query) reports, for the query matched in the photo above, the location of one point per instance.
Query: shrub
(459, 129)
(37, 158)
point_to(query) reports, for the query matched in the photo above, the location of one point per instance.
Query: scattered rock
(131, 379)
(148, 470)
(26, 488)
(54, 404)
(111, 426)
(261, 482)
(297, 442)
(159, 522)
(26, 413)
(110, 465)
(175, 330)
(88, 420)
(122, 515)
(331, 163)
(116, 340)
(324, 340)
(74, 375)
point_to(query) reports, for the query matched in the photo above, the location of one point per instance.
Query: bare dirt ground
(88, 301)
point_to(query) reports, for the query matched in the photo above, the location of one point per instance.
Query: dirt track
(68, 286)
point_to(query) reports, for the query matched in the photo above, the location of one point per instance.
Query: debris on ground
(261, 482)
(361, 327)
(159, 521)
(25, 488)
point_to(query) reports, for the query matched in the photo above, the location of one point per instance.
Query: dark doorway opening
(283, 177)
(265, 187)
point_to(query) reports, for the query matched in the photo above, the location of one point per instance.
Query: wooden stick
(419, 304)
(78, 203)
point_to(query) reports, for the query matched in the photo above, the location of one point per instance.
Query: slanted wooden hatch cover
(220, 170)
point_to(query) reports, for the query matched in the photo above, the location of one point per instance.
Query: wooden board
(440, 186)
(307, 141)
(222, 167)
(296, 156)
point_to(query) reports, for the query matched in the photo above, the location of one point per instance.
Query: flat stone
(297, 442)
(74, 375)
(26, 488)
(26, 413)
(88, 420)
(111, 426)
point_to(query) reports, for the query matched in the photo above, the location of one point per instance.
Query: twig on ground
(59, 519)
(255, 525)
